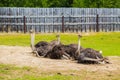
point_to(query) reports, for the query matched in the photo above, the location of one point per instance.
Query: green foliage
(61, 3)
(78, 3)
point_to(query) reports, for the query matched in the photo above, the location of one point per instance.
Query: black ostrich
(71, 49)
(89, 55)
(57, 52)
(32, 40)
(42, 48)
(52, 44)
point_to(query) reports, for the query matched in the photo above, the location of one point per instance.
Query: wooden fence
(59, 19)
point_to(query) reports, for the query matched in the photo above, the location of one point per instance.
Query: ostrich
(42, 48)
(64, 51)
(32, 37)
(89, 55)
(52, 44)
(69, 50)
(72, 49)
(56, 50)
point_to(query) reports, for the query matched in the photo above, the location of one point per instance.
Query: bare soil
(22, 56)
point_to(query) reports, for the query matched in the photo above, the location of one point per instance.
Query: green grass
(11, 72)
(108, 42)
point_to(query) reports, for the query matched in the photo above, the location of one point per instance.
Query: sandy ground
(22, 56)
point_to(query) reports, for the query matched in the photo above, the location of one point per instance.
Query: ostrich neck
(79, 45)
(32, 41)
(58, 40)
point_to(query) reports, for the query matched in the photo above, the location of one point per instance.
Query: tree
(111, 3)
(61, 3)
(78, 3)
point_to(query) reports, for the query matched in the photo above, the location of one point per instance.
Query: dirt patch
(21, 56)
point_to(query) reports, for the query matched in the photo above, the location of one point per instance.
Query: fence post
(97, 23)
(62, 24)
(24, 20)
(17, 25)
(3, 28)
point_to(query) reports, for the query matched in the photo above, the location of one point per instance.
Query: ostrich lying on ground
(42, 48)
(34, 49)
(52, 50)
(71, 49)
(57, 52)
(89, 55)
(52, 44)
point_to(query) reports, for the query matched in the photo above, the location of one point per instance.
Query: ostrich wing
(67, 55)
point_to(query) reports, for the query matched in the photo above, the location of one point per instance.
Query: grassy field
(10, 72)
(108, 42)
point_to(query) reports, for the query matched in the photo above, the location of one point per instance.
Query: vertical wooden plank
(3, 28)
(24, 19)
(44, 19)
(17, 25)
(62, 24)
(97, 23)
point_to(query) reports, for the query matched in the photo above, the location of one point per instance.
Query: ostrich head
(31, 31)
(79, 36)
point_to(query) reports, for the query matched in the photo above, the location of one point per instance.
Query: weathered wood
(50, 19)
(24, 21)
(63, 24)
(97, 23)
